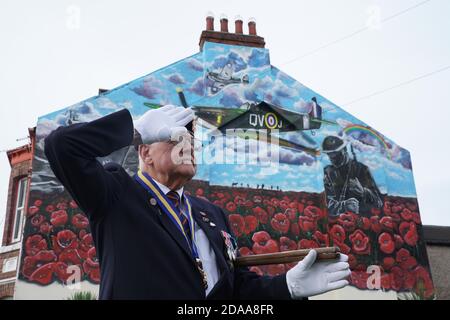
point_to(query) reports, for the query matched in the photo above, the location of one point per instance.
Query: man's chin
(188, 170)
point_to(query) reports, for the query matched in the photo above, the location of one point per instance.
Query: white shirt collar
(166, 189)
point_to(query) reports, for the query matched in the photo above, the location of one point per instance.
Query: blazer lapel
(167, 224)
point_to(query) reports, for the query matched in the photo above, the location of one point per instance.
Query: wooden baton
(326, 253)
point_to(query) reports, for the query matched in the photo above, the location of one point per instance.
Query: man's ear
(145, 154)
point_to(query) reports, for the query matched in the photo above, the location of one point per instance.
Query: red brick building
(20, 160)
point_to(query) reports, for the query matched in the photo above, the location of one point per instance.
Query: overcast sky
(56, 53)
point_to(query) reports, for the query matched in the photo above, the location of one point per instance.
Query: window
(19, 209)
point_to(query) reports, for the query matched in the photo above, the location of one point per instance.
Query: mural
(290, 168)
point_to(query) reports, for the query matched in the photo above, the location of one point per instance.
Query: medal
(174, 214)
(230, 248)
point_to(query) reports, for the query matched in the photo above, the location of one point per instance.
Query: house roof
(437, 235)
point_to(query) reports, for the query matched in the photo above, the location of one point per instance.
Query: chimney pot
(252, 26)
(238, 25)
(210, 22)
(223, 23)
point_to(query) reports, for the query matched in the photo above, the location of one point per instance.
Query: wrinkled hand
(309, 278)
(356, 187)
(352, 205)
(163, 124)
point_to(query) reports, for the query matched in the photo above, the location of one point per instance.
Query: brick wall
(5, 256)
(7, 290)
(439, 257)
(21, 169)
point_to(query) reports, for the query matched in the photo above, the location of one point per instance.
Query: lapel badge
(153, 201)
(212, 224)
(205, 219)
(203, 214)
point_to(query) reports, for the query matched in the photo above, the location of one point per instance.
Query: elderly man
(152, 240)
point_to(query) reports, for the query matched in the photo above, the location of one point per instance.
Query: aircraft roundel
(271, 120)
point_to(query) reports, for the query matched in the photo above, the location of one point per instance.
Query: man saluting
(152, 240)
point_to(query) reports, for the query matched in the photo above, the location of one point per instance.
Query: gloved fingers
(309, 260)
(185, 120)
(337, 285)
(343, 257)
(186, 112)
(167, 108)
(176, 110)
(338, 275)
(163, 134)
(337, 266)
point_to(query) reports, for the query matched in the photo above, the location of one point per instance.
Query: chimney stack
(238, 25)
(237, 38)
(252, 26)
(210, 22)
(223, 23)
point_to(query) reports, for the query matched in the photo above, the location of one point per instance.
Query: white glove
(163, 124)
(308, 278)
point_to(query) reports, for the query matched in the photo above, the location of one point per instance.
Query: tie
(175, 198)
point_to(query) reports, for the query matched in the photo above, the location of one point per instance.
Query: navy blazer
(142, 254)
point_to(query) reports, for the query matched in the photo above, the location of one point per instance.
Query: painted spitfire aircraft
(262, 116)
(223, 78)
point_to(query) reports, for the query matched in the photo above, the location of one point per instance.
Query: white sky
(50, 59)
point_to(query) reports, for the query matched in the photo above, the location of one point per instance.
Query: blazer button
(153, 201)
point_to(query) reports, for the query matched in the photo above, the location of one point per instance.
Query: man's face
(174, 158)
(338, 158)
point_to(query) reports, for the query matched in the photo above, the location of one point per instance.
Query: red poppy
(408, 231)
(406, 214)
(375, 211)
(69, 257)
(284, 205)
(280, 223)
(416, 217)
(59, 218)
(257, 199)
(411, 206)
(424, 284)
(307, 244)
(295, 229)
(34, 244)
(91, 266)
(38, 202)
(387, 223)
(60, 269)
(375, 224)
(45, 227)
(306, 224)
(80, 221)
(405, 260)
(231, 207)
(291, 214)
(359, 279)
(31, 263)
(287, 244)
(43, 275)
(66, 239)
(32, 210)
(251, 223)
(388, 263)
(397, 278)
(352, 261)
(300, 207)
(347, 220)
(360, 242)
(322, 239)
(365, 223)
(276, 269)
(73, 204)
(50, 208)
(271, 210)
(263, 243)
(61, 206)
(237, 224)
(261, 215)
(275, 202)
(199, 192)
(314, 212)
(385, 281)
(387, 244)
(37, 220)
(244, 251)
(397, 208)
(337, 233)
(398, 241)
